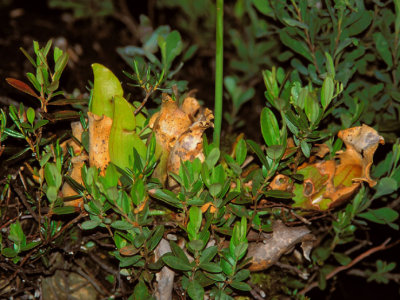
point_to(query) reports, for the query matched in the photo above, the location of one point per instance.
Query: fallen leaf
(282, 240)
(330, 183)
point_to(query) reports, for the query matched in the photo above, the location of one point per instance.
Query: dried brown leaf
(281, 241)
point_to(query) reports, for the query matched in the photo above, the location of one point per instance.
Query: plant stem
(219, 55)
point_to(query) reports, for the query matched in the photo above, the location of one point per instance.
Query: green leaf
(215, 189)
(9, 252)
(195, 218)
(383, 48)
(275, 152)
(210, 267)
(278, 194)
(196, 245)
(40, 123)
(306, 148)
(295, 44)
(168, 197)
(270, 127)
(208, 254)
(16, 233)
(129, 261)
(13, 133)
(242, 275)
(213, 157)
(52, 175)
(140, 292)
(170, 48)
(121, 225)
(216, 276)
(242, 286)
(385, 186)
(30, 115)
(295, 23)
(60, 65)
(327, 91)
(342, 258)
(64, 210)
(241, 152)
(106, 86)
(312, 108)
(383, 215)
(177, 263)
(177, 251)
(30, 246)
(90, 224)
(195, 290)
(330, 66)
(257, 150)
(156, 237)
(52, 193)
(263, 7)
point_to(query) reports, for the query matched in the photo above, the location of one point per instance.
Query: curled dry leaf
(282, 240)
(330, 183)
(361, 143)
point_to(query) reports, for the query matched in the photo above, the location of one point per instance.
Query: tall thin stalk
(219, 63)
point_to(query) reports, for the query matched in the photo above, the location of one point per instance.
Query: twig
(97, 285)
(361, 273)
(144, 101)
(357, 247)
(83, 214)
(303, 275)
(367, 253)
(123, 15)
(102, 264)
(21, 195)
